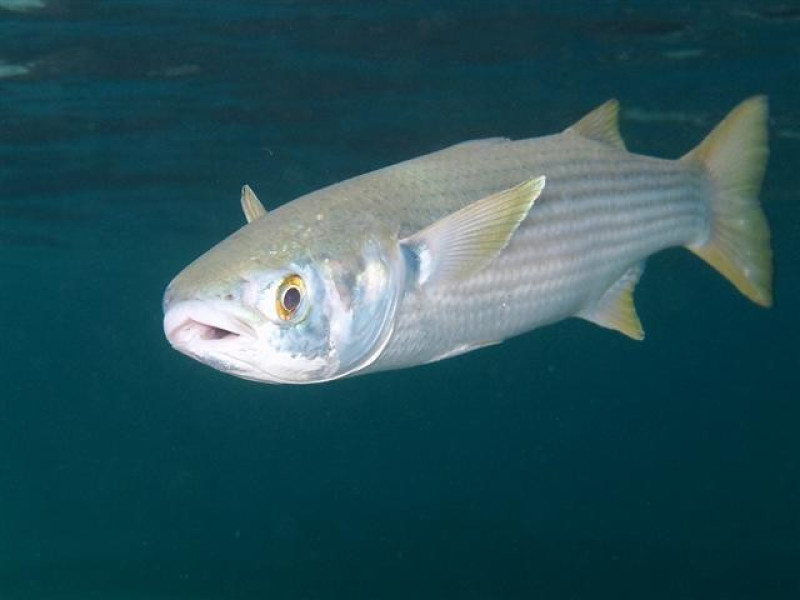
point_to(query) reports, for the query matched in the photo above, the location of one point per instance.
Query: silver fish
(468, 246)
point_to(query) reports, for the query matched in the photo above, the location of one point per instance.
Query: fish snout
(192, 324)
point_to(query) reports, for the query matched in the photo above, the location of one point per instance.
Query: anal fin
(615, 309)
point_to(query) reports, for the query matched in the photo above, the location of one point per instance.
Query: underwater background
(570, 462)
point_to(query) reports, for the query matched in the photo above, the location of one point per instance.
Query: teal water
(567, 463)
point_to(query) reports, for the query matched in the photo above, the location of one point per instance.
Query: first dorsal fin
(615, 309)
(601, 125)
(251, 205)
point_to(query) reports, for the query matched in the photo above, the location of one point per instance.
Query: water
(568, 463)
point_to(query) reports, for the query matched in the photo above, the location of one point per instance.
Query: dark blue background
(568, 463)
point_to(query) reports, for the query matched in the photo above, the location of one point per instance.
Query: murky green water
(568, 463)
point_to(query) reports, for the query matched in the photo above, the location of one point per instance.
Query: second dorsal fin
(601, 125)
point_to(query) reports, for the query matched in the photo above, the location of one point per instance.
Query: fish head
(288, 299)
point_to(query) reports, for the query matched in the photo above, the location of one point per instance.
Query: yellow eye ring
(289, 296)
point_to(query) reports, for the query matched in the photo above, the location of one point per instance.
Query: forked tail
(734, 155)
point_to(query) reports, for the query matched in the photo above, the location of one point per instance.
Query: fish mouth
(191, 325)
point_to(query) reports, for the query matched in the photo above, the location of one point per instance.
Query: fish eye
(289, 296)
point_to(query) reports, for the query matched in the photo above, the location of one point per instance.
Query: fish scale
(552, 266)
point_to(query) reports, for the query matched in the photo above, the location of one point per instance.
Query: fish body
(468, 246)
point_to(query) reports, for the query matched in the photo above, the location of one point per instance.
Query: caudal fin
(735, 157)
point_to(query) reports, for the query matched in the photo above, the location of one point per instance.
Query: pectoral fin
(615, 309)
(467, 240)
(251, 205)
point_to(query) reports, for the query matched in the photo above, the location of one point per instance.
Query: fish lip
(185, 322)
(193, 322)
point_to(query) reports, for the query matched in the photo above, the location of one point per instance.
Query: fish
(468, 246)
